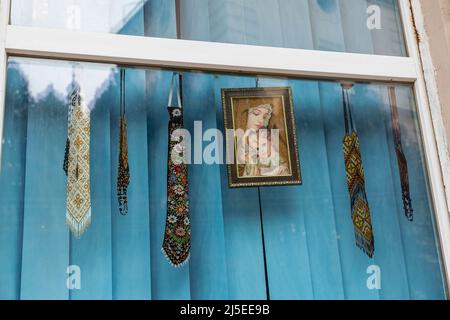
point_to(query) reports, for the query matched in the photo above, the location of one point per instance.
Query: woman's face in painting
(259, 117)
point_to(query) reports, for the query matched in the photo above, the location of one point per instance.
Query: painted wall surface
(436, 18)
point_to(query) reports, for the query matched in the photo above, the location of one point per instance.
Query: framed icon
(261, 138)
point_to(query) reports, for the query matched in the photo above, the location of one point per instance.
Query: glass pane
(308, 246)
(357, 26)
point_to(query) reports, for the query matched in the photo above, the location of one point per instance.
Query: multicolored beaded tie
(177, 237)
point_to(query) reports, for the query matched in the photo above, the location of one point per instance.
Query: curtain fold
(12, 180)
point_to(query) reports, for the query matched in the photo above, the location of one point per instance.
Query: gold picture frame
(257, 119)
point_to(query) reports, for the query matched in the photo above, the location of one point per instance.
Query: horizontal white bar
(207, 56)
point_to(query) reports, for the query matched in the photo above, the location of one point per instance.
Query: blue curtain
(332, 25)
(292, 242)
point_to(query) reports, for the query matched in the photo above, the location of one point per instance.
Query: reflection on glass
(309, 250)
(86, 15)
(357, 26)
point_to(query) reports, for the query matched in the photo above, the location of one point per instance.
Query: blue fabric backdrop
(308, 250)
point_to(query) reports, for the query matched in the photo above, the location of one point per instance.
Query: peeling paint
(413, 23)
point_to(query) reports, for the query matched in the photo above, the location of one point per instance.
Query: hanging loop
(173, 83)
(122, 91)
(348, 118)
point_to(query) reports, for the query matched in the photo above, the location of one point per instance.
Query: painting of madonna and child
(261, 137)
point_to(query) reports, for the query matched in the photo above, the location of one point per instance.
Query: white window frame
(209, 56)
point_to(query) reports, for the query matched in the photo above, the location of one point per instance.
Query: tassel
(123, 177)
(401, 159)
(360, 211)
(123, 170)
(66, 157)
(358, 200)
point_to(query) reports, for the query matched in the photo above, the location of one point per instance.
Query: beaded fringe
(367, 246)
(78, 228)
(179, 265)
(407, 206)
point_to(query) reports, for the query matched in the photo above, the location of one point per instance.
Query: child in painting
(258, 154)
